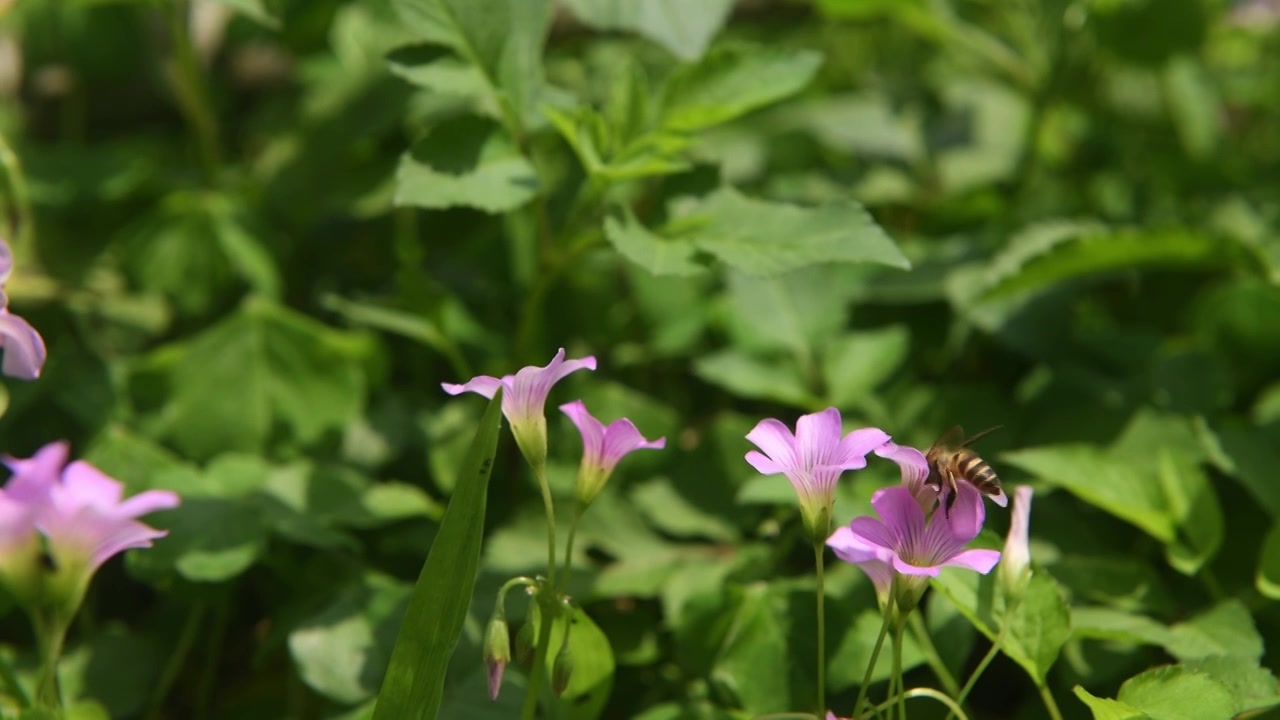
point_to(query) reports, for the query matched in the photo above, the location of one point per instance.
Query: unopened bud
(497, 652)
(1015, 562)
(562, 671)
(526, 643)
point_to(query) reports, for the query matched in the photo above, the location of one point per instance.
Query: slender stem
(1050, 704)
(23, 220)
(568, 548)
(213, 657)
(897, 669)
(982, 667)
(871, 666)
(50, 634)
(819, 558)
(190, 91)
(538, 672)
(925, 693)
(177, 659)
(549, 506)
(931, 656)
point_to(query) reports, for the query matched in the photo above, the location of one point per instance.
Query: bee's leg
(952, 492)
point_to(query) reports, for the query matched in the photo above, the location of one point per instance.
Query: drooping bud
(526, 642)
(1014, 570)
(497, 651)
(562, 671)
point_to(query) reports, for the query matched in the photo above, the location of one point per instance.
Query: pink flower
(812, 459)
(906, 544)
(915, 476)
(81, 513)
(602, 447)
(24, 351)
(524, 398)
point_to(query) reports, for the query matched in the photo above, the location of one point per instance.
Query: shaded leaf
(733, 81)
(684, 28)
(466, 162)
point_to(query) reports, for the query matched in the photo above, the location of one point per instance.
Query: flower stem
(549, 506)
(921, 692)
(538, 672)
(982, 667)
(897, 669)
(51, 633)
(568, 548)
(931, 656)
(871, 666)
(1050, 704)
(186, 639)
(191, 93)
(819, 558)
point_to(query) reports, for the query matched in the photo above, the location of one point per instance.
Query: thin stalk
(931, 656)
(871, 666)
(568, 548)
(1050, 704)
(177, 660)
(50, 634)
(897, 669)
(982, 667)
(191, 93)
(818, 557)
(925, 693)
(213, 657)
(530, 709)
(549, 506)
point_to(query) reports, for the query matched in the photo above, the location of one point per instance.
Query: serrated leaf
(436, 68)
(1225, 629)
(261, 366)
(1251, 686)
(413, 686)
(655, 254)
(1177, 693)
(466, 162)
(685, 28)
(733, 81)
(1106, 708)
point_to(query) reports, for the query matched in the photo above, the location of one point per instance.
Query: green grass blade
(414, 684)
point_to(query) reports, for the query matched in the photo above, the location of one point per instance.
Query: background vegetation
(257, 235)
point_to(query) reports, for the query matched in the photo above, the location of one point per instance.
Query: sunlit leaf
(684, 28)
(733, 81)
(1175, 692)
(466, 162)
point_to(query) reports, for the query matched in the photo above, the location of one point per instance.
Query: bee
(951, 460)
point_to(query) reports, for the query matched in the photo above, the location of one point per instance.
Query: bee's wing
(975, 438)
(952, 438)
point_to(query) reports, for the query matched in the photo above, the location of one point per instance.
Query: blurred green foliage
(257, 235)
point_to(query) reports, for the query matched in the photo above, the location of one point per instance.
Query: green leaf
(1036, 627)
(1118, 626)
(1106, 708)
(262, 366)
(1193, 106)
(1225, 629)
(414, 683)
(854, 364)
(797, 312)
(115, 667)
(749, 376)
(733, 81)
(1267, 579)
(341, 651)
(1124, 489)
(466, 162)
(766, 238)
(437, 69)
(1249, 454)
(1176, 693)
(500, 38)
(685, 28)
(657, 255)
(1251, 686)
(593, 665)
(853, 652)
(1195, 508)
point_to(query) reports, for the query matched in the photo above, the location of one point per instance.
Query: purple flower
(915, 472)
(81, 513)
(1015, 566)
(24, 351)
(602, 447)
(524, 398)
(904, 543)
(813, 459)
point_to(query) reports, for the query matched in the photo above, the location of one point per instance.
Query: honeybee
(950, 461)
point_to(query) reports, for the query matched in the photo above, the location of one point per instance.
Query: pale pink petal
(622, 437)
(968, 513)
(818, 437)
(852, 547)
(764, 465)
(114, 536)
(979, 560)
(855, 446)
(90, 486)
(527, 390)
(778, 444)
(6, 261)
(589, 428)
(480, 384)
(148, 502)
(900, 513)
(873, 532)
(906, 568)
(24, 351)
(35, 476)
(912, 463)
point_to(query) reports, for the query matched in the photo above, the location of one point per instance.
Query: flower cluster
(24, 351)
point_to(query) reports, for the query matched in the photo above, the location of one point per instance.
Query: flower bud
(526, 642)
(1014, 570)
(497, 652)
(562, 671)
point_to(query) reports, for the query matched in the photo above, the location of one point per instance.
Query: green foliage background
(258, 237)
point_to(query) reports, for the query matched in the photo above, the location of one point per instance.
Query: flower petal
(912, 463)
(873, 532)
(858, 443)
(979, 560)
(148, 502)
(622, 437)
(968, 513)
(591, 430)
(906, 568)
(778, 444)
(901, 514)
(24, 351)
(87, 485)
(35, 476)
(114, 535)
(528, 389)
(480, 384)
(818, 438)
(763, 465)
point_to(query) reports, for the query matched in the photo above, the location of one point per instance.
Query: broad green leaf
(765, 238)
(1125, 583)
(115, 667)
(341, 651)
(1106, 708)
(1124, 489)
(413, 686)
(261, 367)
(685, 28)
(593, 666)
(1036, 627)
(466, 162)
(1249, 454)
(733, 81)
(854, 364)
(669, 511)
(753, 377)
(1251, 686)
(435, 68)
(1118, 625)
(1225, 629)
(1267, 579)
(748, 658)
(1194, 507)
(995, 120)
(607, 153)
(1174, 692)
(797, 312)
(656, 254)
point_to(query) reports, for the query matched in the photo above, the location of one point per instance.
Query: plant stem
(1050, 704)
(982, 667)
(931, 656)
(921, 692)
(897, 668)
(50, 634)
(549, 506)
(176, 660)
(538, 671)
(568, 548)
(213, 657)
(190, 91)
(819, 558)
(871, 666)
